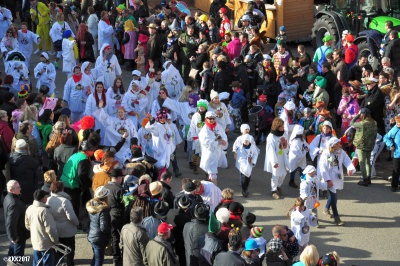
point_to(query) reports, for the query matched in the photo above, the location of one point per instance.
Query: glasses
(211, 118)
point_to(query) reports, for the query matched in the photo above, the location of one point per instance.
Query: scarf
(235, 217)
(290, 117)
(24, 31)
(107, 21)
(211, 126)
(277, 133)
(103, 97)
(77, 78)
(170, 42)
(201, 191)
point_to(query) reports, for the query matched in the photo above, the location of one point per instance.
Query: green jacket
(76, 171)
(45, 131)
(189, 49)
(365, 136)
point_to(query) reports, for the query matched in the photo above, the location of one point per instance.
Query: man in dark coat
(232, 256)
(192, 232)
(223, 78)
(355, 72)
(8, 105)
(375, 102)
(166, 193)
(14, 216)
(211, 245)
(244, 39)
(117, 209)
(392, 51)
(23, 169)
(154, 45)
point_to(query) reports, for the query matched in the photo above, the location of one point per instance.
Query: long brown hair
(121, 89)
(103, 94)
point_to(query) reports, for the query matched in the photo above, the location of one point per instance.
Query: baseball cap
(164, 228)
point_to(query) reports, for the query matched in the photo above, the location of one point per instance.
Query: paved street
(371, 215)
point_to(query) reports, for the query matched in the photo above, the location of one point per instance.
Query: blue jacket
(393, 138)
(238, 99)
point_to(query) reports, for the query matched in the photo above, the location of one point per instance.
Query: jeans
(332, 202)
(364, 161)
(98, 255)
(244, 181)
(69, 242)
(16, 249)
(293, 174)
(396, 172)
(48, 258)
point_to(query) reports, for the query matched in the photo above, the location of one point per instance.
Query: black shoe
(245, 193)
(363, 182)
(191, 165)
(389, 159)
(394, 189)
(293, 184)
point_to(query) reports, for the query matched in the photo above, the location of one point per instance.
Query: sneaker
(245, 193)
(38, 51)
(394, 189)
(56, 64)
(280, 191)
(338, 221)
(275, 195)
(177, 173)
(328, 213)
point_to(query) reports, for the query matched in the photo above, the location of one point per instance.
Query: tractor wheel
(323, 25)
(372, 60)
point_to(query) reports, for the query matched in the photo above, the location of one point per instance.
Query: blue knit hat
(67, 34)
(282, 28)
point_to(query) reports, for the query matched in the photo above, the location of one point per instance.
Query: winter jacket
(191, 234)
(167, 195)
(159, 253)
(41, 224)
(238, 99)
(375, 102)
(134, 240)
(100, 222)
(170, 52)
(23, 169)
(14, 218)
(154, 47)
(206, 81)
(392, 51)
(214, 35)
(117, 207)
(230, 258)
(45, 130)
(6, 134)
(240, 74)
(222, 80)
(212, 246)
(197, 63)
(234, 48)
(33, 147)
(63, 214)
(61, 155)
(76, 172)
(365, 136)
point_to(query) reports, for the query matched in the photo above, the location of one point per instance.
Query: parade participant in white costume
(276, 162)
(246, 158)
(159, 101)
(309, 188)
(287, 117)
(196, 124)
(176, 138)
(5, 20)
(107, 62)
(26, 38)
(115, 129)
(105, 31)
(45, 73)
(135, 102)
(213, 142)
(145, 139)
(93, 74)
(298, 149)
(245, 130)
(331, 163)
(20, 72)
(93, 103)
(8, 43)
(116, 92)
(172, 80)
(218, 107)
(93, 22)
(138, 79)
(76, 92)
(163, 145)
(318, 144)
(209, 192)
(69, 53)
(56, 34)
(154, 87)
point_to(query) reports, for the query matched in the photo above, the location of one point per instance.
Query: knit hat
(101, 192)
(120, 8)
(98, 154)
(327, 260)
(201, 211)
(155, 188)
(67, 34)
(164, 228)
(249, 218)
(210, 114)
(223, 215)
(214, 226)
(256, 232)
(243, 127)
(280, 42)
(320, 82)
(39, 194)
(24, 91)
(282, 28)
(66, 111)
(213, 94)
(202, 103)
(21, 143)
(275, 245)
(250, 245)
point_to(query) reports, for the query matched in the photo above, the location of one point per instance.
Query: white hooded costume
(135, 101)
(109, 67)
(246, 159)
(222, 112)
(310, 186)
(105, 35)
(172, 80)
(18, 74)
(297, 149)
(289, 106)
(48, 77)
(300, 222)
(25, 41)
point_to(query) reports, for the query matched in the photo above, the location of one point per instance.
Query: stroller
(12, 57)
(61, 248)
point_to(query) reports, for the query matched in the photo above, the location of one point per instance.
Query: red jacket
(350, 55)
(7, 135)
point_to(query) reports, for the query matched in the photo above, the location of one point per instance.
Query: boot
(177, 173)
(369, 180)
(280, 191)
(363, 182)
(293, 184)
(338, 221)
(195, 160)
(191, 165)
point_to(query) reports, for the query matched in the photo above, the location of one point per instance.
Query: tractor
(356, 16)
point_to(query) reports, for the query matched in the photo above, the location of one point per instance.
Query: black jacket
(392, 51)
(117, 207)
(154, 45)
(197, 63)
(331, 81)
(240, 74)
(167, 195)
(230, 258)
(355, 72)
(191, 235)
(375, 102)
(14, 216)
(23, 169)
(222, 80)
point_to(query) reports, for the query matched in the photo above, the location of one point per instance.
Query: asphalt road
(371, 215)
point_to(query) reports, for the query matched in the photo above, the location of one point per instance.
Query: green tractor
(356, 16)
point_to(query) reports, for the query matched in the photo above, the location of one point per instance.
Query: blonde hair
(309, 256)
(277, 123)
(222, 58)
(49, 176)
(143, 177)
(185, 94)
(297, 203)
(29, 114)
(228, 193)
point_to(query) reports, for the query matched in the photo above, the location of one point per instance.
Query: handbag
(193, 73)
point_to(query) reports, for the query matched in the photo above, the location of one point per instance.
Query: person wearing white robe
(92, 23)
(218, 107)
(116, 92)
(108, 64)
(115, 129)
(8, 44)
(213, 142)
(5, 20)
(135, 102)
(172, 80)
(276, 161)
(105, 31)
(145, 139)
(318, 144)
(138, 79)
(92, 105)
(246, 159)
(76, 92)
(93, 74)
(176, 138)
(301, 219)
(163, 145)
(56, 33)
(297, 153)
(245, 130)
(331, 163)
(209, 192)
(20, 72)
(69, 60)
(26, 38)
(45, 73)
(154, 88)
(309, 188)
